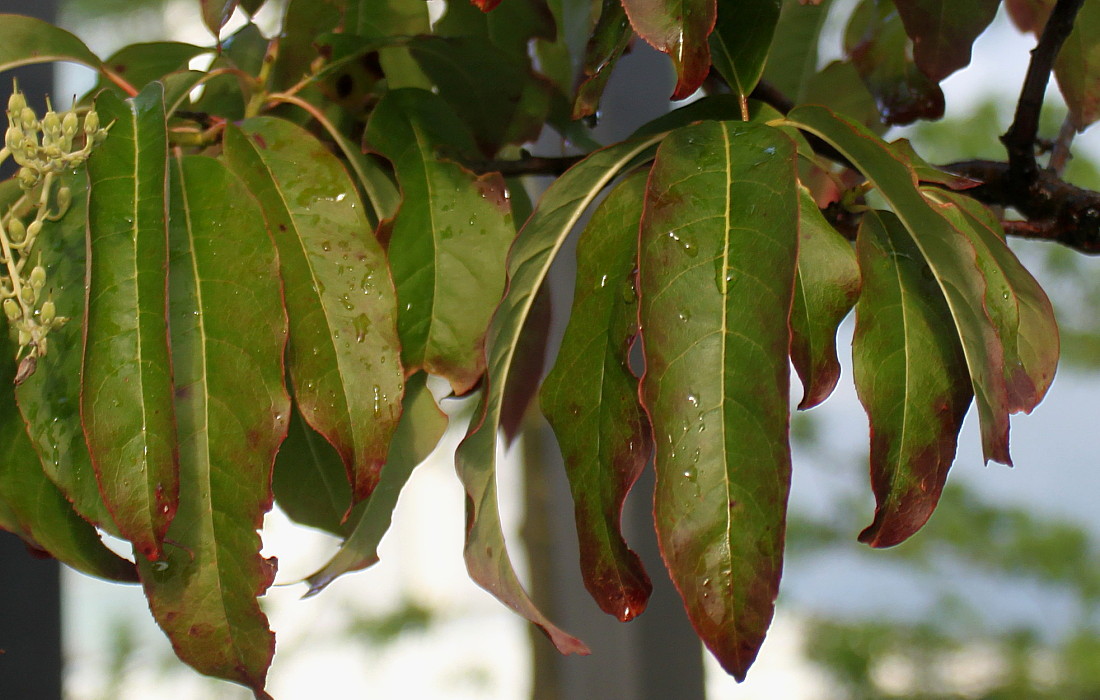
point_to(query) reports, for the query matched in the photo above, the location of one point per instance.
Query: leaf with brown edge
(1015, 302)
(229, 331)
(590, 399)
(559, 210)
(943, 31)
(609, 40)
(716, 271)
(910, 375)
(344, 359)
(126, 385)
(826, 287)
(680, 29)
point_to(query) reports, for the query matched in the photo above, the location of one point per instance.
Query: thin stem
(118, 80)
(1060, 154)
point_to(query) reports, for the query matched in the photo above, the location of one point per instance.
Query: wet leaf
(680, 29)
(25, 40)
(344, 354)
(741, 39)
(949, 253)
(943, 32)
(826, 287)
(529, 262)
(126, 395)
(228, 334)
(911, 377)
(610, 38)
(590, 399)
(421, 427)
(447, 241)
(719, 241)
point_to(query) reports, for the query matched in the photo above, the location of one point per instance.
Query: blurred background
(997, 597)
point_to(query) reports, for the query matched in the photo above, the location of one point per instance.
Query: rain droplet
(362, 326)
(326, 246)
(693, 399)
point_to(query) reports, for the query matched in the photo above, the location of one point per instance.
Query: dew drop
(693, 399)
(326, 246)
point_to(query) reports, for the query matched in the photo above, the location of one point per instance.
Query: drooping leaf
(950, 255)
(421, 427)
(26, 40)
(1017, 305)
(876, 42)
(448, 240)
(528, 365)
(826, 287)
(215, 13)
(719, 240)
(607, 44)
(590, 399)
(529, 262)
(794, 48)
(344, 353)
(32, 506)
(910, 374)
(229, 330)
(741, 39)
(306, 458)
(680, 29)
(943, 32)
(126, 387)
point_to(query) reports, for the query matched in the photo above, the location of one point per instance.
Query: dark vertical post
(30, 588)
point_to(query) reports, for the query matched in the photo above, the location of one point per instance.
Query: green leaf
(529, 262)
(49, 399)
(590, 399)
(26, 40)
(607, 44)
(140, 64)
(793, 59)
(839, 86)
(344, 353)
(32, 506)
(1078, 67)
(680, 29)
(510, 28)
(741, 39)
(448, 240)
(304, 20)
(386, 17)
(1017, 305)
(716, 270)
(228, 335)
(305, 457)
(126, 394)
(215, 13)
(826, 287)
(876, 42)
(943, 32)
(911, 377)
(421, 427)
(949, 253)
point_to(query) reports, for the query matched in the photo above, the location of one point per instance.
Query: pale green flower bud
(17, 232)
(11, 309)
(13, 137)
(91, 122)
(16, 103)
(24, 337)
(48, 312)
(70, 124)
(28, 119)
(27, 178)
(64, 198)
(51, 125)
(28, 295)
(38, 277)
(34, 229)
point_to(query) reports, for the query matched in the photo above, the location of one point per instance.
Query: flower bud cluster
(50, 145)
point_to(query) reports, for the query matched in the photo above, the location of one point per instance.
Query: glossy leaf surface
(233, 413)
(344, 357)
(911, 376)
(680, 29)
(421, 427)
(448, 240)
(826, 287)
(529, 262)
(950, 255)
(741, 39)
(719, 241)
(590, 399)
(610, 38)
(943, 32)
(126, 395)
(793, 53)
(140, 64)
(25, 40)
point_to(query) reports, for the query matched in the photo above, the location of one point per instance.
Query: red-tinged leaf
(1017, 305)
(49, 399)
(229, 331)
(719, 240)
(528, 366)
(344, 353)
(608, 42)
(485, 5)
(31, 506)
(215, 13)
(680, 29)
(448, 240)
(126, 388)
(741, 40)
(529, 262)
(251, 6)
(793, 60)
(876, 42)
(25, 40)
(1029, 15)
(949, 253)
(422, 426)
(590, 399)
(826, 287)
(943, 32)
(911, 376)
